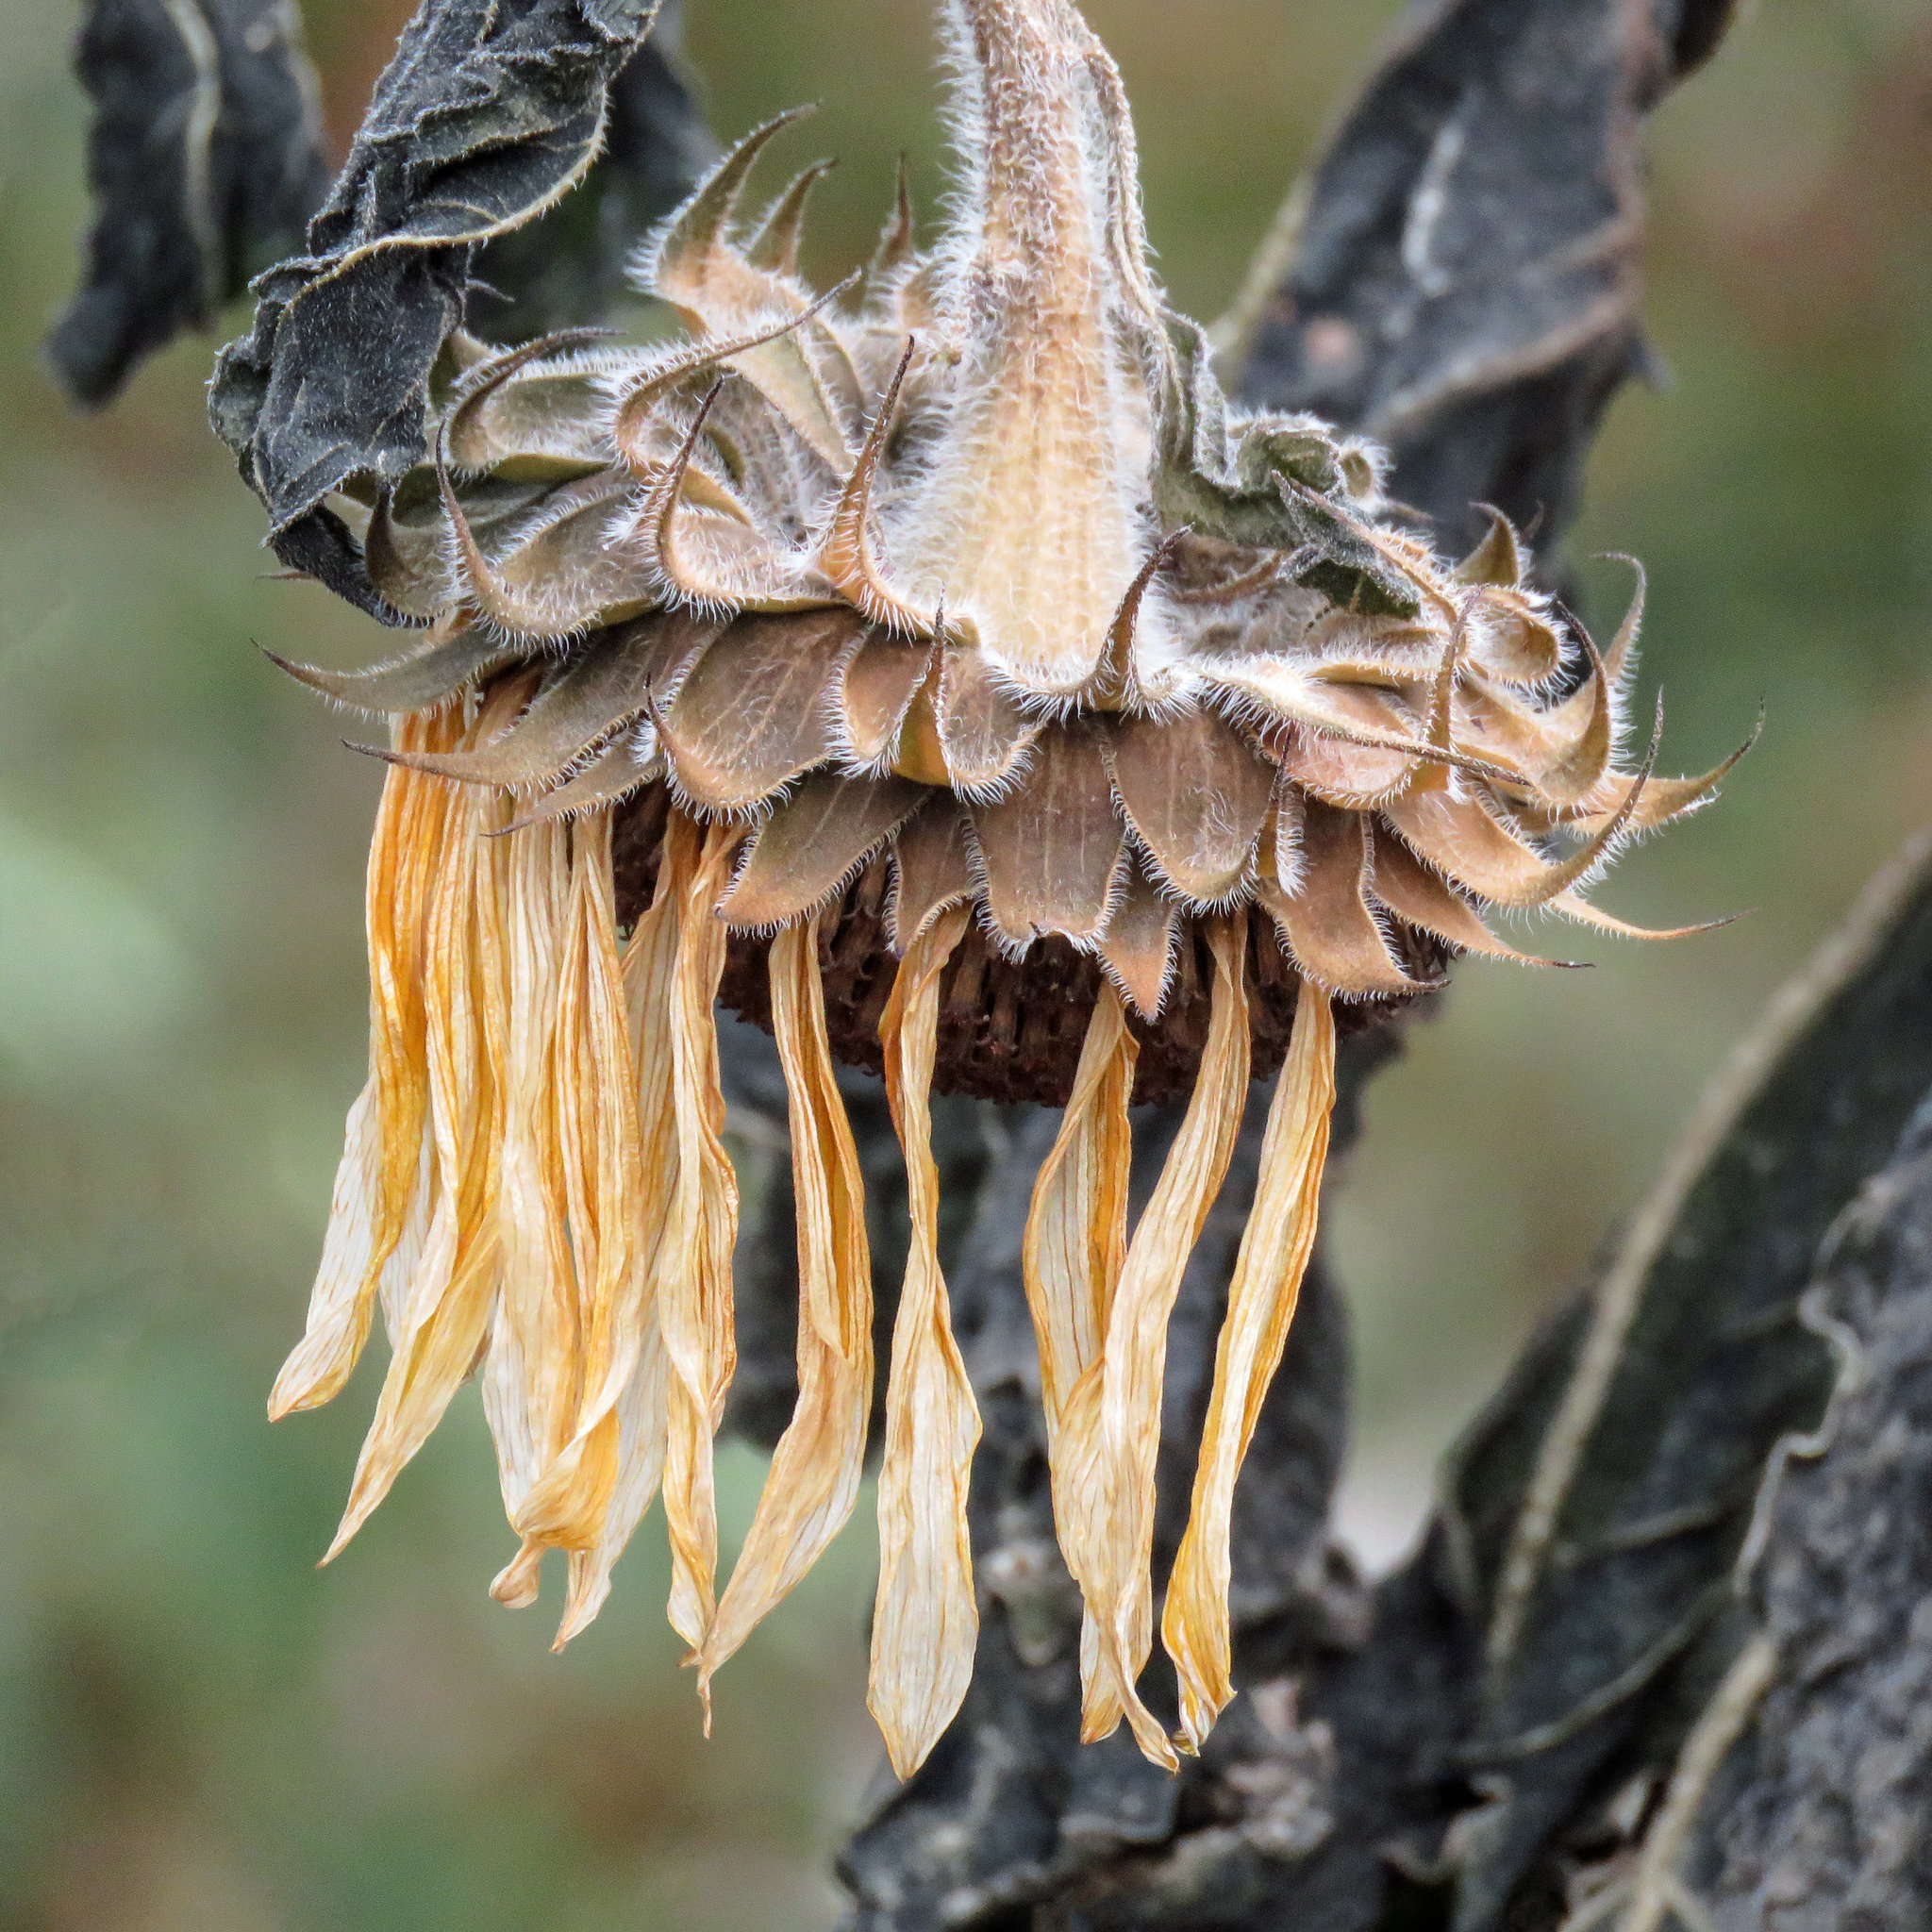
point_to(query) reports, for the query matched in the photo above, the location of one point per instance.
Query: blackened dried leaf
(489, 114)
(203, 161)
(1820, 1813)
(1458, 276)
(567, 266)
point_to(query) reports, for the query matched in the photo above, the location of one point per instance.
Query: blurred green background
(198, 1731)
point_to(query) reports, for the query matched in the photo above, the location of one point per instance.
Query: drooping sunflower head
(938, 671)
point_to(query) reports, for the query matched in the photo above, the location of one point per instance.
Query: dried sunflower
(938, 673)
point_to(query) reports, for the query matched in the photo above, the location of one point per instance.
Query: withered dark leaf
(1464, 282)
(1817, 1808)
(487, 115)
(567, 266)
(203, 161)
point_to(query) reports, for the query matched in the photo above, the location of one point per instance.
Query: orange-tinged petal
(379, 1177)
(442, 1313)
(604, 1184)
(528, 1369)
(692, 1275)
(1076, 1245)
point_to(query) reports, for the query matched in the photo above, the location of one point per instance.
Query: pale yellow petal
(1114, 1420)
(1076, 1229)
(693, 1273)
(813, 1482)
(926, 1622)
(1276, 1246)
(525, 1393)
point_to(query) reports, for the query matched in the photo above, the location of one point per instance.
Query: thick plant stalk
(1276, 1246)
(926, 1621)
(814, 1476)
(1115, 1414)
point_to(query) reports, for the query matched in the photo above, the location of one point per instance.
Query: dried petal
(603, 1183)
(1276, 1246)
(378, 1176)
(1076, 1245)
(529, 1370)
(693, 1273)
(813, 1481)
(442, 1313)
(925, 1621)
(1113, 1425)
